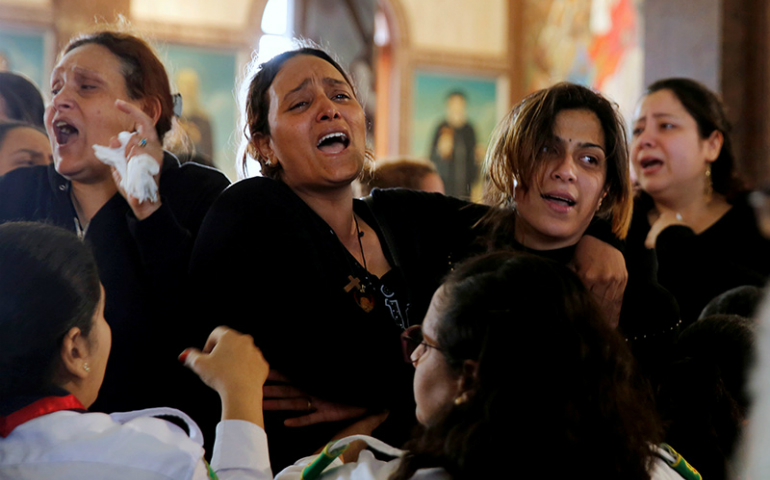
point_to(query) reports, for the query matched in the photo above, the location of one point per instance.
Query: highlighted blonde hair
(514, 157)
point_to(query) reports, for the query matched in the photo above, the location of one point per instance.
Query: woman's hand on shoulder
(283, 396)
(664, 220)
(602, 268)
(232, 365)
(145, 131)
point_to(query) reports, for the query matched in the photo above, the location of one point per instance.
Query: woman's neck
(89, 198)
(335, 207)
(531, 238)
(696, 209)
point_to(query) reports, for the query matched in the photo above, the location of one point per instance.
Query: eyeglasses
(411, 341)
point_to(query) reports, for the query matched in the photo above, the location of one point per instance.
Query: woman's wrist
(242, 405)
(145, 209)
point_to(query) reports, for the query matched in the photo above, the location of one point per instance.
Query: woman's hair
(48, 284)
(514, 159)
(143, 72)
(703, 394)
(8, 127)
(707, 110)
(551, 374)
(403, 172)
(257, 102)
(22, 99)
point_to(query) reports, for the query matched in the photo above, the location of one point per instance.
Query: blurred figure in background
(20, 100)
(703, 397)
(402, 172)
(22, 145)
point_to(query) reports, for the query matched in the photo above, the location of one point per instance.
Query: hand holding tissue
(137, 174)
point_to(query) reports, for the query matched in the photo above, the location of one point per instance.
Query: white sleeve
(240, 453)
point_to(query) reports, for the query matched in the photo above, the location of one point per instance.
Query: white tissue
(136, 176)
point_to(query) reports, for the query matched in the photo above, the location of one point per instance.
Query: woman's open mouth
(650, 164)
(64, 132)
(333, 142)
(565, 201)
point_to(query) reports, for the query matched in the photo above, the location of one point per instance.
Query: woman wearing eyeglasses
(513, 347)
(324, 282)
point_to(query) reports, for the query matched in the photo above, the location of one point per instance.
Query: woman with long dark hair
(517, 374)
(325, 282)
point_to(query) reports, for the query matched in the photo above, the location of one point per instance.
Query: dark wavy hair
(258, 103)
(48, 284)
(705, 107)
(551, 375)
(22, 99)
(704, 400)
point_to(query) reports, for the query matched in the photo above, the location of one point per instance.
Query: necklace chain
(360, 244)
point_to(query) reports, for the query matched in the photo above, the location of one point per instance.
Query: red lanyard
(36, 409)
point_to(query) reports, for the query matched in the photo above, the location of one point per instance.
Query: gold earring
(709, 184)
(462, 398)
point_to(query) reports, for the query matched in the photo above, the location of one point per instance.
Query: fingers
(144, 124)
(214, 338)
(277, 376)
(189, 358)
(304, 420)
(300, 404)
(283, 391)
(116, 176)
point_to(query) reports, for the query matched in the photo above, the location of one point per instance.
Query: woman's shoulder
(366, 467)
(259, 196)
(425, 206)
(190, 176)
(138, 442)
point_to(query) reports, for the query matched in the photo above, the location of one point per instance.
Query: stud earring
(462, 398)
(86, 367)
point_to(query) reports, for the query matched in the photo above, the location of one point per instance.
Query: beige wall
(459, 26)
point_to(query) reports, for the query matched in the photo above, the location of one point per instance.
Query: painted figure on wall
(453, 149)
(195, 120)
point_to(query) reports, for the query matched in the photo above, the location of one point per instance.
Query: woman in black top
(691, 213)
(323, 282)
(105, 83)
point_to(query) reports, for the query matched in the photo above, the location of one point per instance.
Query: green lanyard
(679, 464)
(312, 471)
